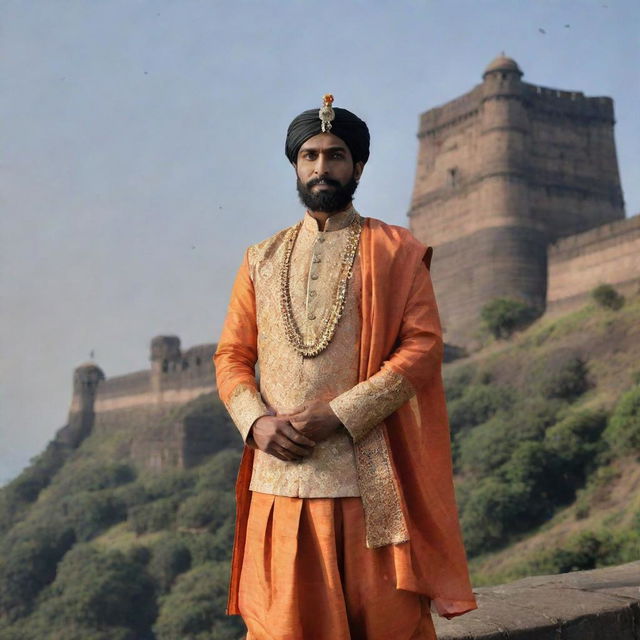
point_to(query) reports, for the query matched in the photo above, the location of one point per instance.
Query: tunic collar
(334, 223)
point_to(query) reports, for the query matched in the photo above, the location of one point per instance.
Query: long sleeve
(237, 354)
(417, 356)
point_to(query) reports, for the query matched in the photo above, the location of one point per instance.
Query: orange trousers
(307, 575)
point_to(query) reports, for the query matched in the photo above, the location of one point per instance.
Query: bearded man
(346, 523)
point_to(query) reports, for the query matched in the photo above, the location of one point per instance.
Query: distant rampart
(607, 254)
(141, 397)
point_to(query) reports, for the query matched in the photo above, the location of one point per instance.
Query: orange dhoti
(307, 575)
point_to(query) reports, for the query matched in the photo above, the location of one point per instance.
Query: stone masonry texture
(603, 604)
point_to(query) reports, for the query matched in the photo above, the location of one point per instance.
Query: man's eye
(338, 155)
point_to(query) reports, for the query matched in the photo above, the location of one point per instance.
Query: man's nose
(321, 166)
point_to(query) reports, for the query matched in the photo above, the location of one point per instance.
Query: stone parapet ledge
(603, 604)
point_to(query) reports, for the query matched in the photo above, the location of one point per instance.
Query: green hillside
(106, 551)
(546, 441)
(546, 435)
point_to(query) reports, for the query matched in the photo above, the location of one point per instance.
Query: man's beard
(326, 200)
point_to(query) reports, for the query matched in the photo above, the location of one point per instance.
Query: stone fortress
(517, 189)
(145, 398)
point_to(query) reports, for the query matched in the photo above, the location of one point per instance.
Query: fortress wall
(131, 418)
(167, 395)
(608, 254)
(128, 384)
(583, 605)
(501, 261)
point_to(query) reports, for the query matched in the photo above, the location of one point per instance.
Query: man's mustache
(330, 181)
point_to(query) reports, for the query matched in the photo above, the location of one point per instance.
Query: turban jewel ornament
(326, 113)
(340, 122)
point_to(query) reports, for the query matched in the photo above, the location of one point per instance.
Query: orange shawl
(417, 434)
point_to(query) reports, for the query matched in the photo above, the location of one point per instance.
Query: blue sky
(141, 151)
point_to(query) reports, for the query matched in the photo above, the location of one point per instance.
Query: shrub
(154, 516)
(90, 475)
(457, 382)
(28, 565)
(477, 405)
(623, 431)
(608, 297)
(24, 489)
(206, 546)
(169, 484)
(91, 512)
(561, 374)
(195, 607)
(98, 590)
(589, 550)
(535, 471)
(503, 316)
(219, 472)
(486, 447)
(576, 442)
(207, 509)
(169, 558)
(490, 510)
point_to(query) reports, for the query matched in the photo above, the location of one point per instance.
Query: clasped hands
(292, 436)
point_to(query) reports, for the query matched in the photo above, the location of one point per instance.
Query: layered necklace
(333, 314)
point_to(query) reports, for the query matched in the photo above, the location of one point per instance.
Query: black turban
(346, 125)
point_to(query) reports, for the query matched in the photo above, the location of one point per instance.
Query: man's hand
(275, 435)
(316, 420)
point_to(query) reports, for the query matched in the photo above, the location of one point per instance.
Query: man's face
(327, 175)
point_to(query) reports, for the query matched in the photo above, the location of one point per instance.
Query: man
(346, 524)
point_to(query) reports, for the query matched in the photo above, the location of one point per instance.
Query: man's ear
(358, 168)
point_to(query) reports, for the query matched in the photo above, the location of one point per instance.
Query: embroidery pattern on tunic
(385, 522)
(338, 467)
(287, 379)
(245, 406)
(370, 402)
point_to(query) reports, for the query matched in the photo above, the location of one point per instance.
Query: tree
(503, 316)
(97, 590)
(623, 431)
(170, 557)
(606, 296)
(194, 608)
(29, 564)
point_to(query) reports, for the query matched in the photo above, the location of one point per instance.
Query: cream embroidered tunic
(289, 380)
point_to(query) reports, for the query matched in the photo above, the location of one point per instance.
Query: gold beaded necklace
(332, 316)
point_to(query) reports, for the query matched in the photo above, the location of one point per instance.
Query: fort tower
(503, 171)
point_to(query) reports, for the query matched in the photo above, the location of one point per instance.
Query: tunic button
(321, 239)
(312, 316)
(314, 276)
(316, 259)
(312, 293)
